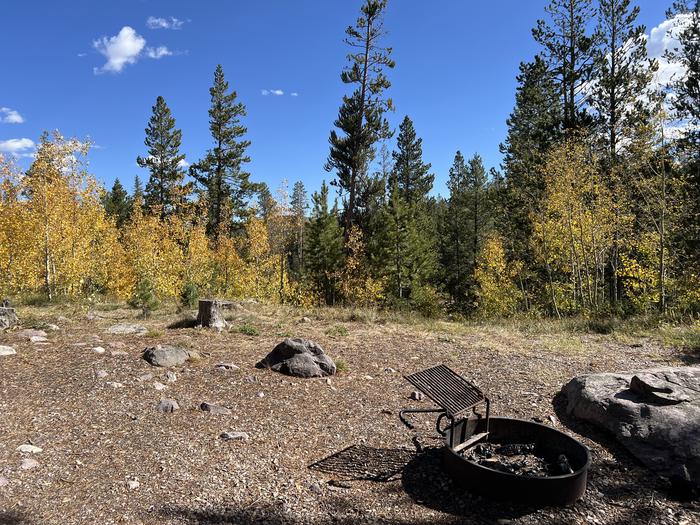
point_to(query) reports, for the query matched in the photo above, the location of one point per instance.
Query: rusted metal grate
(360, 462)
(448, 389)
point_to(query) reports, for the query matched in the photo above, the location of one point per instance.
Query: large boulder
(300, 358)
(8, 318)
(654, 413)
(165, 355)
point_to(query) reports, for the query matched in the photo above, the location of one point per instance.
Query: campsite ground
(100, 433)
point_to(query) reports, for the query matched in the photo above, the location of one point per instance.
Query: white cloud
(120, 50)
(10, 116)
(294, 94)
(158, 52)
(662, 38)
(183, 164)
(275, 92)
(18, 147)
(164, 23)
(81, 55)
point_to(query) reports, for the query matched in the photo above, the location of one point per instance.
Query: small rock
(38, 339)
(167, 405)
(7, 350)
(29, 463)
(159, 386)
(101, 374)
(234, 436)
(369, 378)
(328, 381)
(165, 355)
(171, 376)
(145, 377)
(260, 394)
(250, 379)
(226, 366)
(29, 333)
(4, 482)
(315, 487)
(114, 384)
(52, 327)
(389, 370)
(212, 408)
(126, 329)
(98, 350)
(133, 484)
(417, 395)
(305, 320)
(29, 449)
(552, 420)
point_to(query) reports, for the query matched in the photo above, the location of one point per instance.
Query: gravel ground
(108, 456)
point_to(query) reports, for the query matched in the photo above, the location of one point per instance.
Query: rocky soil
(92, 433)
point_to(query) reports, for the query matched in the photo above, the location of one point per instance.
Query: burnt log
(211, 313)
(8, 318)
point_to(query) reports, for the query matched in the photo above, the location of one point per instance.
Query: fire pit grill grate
(450, 391)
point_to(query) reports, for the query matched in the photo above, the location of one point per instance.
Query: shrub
(248, 329)
(144, 297)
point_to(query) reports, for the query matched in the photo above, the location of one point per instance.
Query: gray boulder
(8, 318)
(654, 413)
(215, 409)
(300, 358)
(165, 355)
(127, 329)
(167, 406)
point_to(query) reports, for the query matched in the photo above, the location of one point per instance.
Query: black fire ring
(536, 490)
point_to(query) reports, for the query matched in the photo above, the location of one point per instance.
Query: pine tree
(361, 119)
(165, 191)
(137, 198)
(266, 202)
(324, 251)
(117, 204)
(410, 172)
(300, 203)
(220, 171)
(570, 52)
(686, 105)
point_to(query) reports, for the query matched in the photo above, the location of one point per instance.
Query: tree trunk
(8, 318)
(211, 313)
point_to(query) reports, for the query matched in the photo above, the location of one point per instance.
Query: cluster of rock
(300, 358)
(654, 413)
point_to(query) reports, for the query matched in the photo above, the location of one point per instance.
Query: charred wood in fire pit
(520, 459)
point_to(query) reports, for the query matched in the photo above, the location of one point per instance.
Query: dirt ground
(98, 438)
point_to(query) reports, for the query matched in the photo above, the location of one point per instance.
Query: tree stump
(8, 318)
(211, 313)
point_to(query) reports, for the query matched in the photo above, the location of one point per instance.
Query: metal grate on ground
(360, 462)
(448, 389)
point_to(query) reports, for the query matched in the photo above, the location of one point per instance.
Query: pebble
(215, 409)
(29, 463)
(145, 377)
(38, 339)
(7, 350)
(417, 395)
(171, 376)
(368, 378)
(250, 379)
(315, 487)
(4, 482)
(29, 449)
(234, 436)
(261, 394)
(389, 370)
(167, 405)
(305, 320)
(159, 386)
(226, 366)
(52, 327)
(114, 384)
(101, 374)
(98, 350)
(133, 484)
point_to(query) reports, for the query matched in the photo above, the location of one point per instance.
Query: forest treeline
(594, 210)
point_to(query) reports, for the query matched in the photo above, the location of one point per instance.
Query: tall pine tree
(117, 204)
(361, 121)
(220, 172)
(165, 191)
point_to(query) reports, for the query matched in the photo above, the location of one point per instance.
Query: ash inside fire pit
(521, 459)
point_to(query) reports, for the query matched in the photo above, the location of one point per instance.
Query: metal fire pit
(537, 490)
(458, 399)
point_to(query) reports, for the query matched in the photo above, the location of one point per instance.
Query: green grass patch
(248, 329)
(337, 330)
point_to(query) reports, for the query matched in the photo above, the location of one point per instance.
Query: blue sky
(456, 63)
